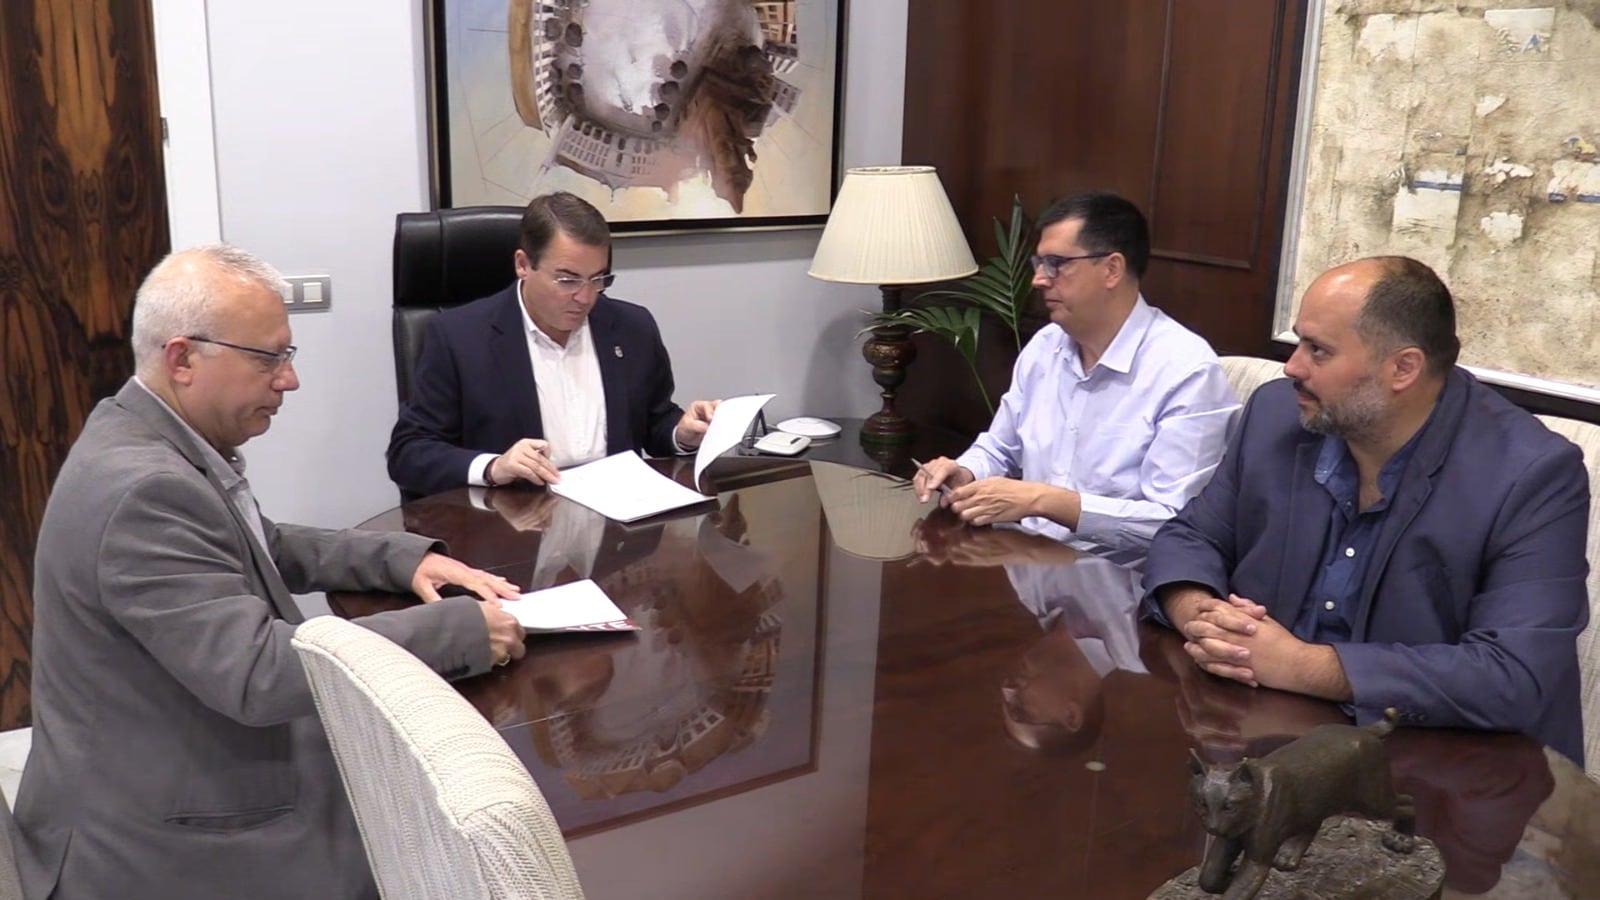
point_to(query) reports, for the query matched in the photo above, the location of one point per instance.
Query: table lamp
(891, 226)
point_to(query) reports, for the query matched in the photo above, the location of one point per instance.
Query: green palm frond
(1003, 284)
(957, 324)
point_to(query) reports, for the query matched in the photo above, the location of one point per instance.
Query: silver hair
(175, 300)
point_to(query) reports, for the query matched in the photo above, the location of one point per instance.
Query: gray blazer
(177, 751)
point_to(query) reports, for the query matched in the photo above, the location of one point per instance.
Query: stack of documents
(623, 487)
(579, 606)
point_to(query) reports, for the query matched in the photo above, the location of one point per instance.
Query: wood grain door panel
(82, 218)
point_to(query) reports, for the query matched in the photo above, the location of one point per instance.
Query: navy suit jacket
(473, 390)
(1471, 606)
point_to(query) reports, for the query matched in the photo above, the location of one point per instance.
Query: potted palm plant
(1002, 285)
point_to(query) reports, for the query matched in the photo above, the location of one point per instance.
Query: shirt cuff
(1150, 610)
(978, 464)
(1097, 515)
(476, 468)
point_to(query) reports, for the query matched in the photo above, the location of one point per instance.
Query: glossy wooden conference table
(824, 702)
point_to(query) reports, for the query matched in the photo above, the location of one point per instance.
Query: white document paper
(623, 487)
(578, 606)
(729, 424)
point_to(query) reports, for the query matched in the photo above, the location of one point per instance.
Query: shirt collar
(1121, 352)
(1336, 469)
(229, 469)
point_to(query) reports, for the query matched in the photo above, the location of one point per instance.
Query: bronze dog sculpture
(1270, 808)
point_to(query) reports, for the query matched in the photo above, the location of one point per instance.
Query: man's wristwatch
(488, 476)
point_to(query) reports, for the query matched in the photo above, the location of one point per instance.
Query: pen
(942, 488)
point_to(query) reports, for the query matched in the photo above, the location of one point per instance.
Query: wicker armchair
(1246, 373)
(446, 810)
(1587, 437)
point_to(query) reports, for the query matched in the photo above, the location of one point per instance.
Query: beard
(1356, 416)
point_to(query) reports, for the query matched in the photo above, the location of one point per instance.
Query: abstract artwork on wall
(1465, 138)
(665, 114)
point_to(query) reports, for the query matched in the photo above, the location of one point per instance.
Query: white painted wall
(189, 154)
(321, 138)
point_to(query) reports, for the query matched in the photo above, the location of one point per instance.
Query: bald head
(185, 294)
(1400, 303)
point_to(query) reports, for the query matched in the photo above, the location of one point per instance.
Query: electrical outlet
(309, 293)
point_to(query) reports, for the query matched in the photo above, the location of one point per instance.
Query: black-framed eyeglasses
(572, 284)
(1050, 264)
(278, 358)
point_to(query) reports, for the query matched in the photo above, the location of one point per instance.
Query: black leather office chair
(445, 258)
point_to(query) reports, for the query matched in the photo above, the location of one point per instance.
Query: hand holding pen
(940, 474)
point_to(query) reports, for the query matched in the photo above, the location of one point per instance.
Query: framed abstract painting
(665, 114)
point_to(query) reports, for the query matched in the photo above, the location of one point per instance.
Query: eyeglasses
(1050, 264)
(277, 358)
(572, 284)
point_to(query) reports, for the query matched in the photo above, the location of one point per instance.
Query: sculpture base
(1346, 861)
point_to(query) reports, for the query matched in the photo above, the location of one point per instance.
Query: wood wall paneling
(1183, 106)
(1213, 144)
(951, 37)
(82, 218)
(1222, 177)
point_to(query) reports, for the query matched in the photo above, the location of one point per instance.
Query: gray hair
(176, 298)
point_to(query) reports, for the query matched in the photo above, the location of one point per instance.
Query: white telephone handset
(782, 443)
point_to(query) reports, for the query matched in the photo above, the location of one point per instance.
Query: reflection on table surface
(839, 692)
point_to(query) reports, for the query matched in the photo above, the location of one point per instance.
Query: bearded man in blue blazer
(548, 373)
(1385, 531)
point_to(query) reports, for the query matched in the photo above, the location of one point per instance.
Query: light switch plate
(309, 293)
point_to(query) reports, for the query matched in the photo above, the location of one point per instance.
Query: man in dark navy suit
(1385, 531)
(548, 373)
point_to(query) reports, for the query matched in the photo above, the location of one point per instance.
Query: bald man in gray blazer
(177, 751)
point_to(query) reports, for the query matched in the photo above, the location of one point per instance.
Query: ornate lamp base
(889, 350)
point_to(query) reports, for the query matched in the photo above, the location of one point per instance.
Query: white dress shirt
(572, 398)
(1137, 436)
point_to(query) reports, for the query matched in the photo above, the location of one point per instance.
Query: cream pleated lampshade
(892, 225)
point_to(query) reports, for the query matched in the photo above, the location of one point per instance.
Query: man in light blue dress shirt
(1117, 414)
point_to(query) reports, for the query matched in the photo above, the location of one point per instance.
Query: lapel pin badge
(618, 350)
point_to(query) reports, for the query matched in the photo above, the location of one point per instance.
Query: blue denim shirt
(1352, 533)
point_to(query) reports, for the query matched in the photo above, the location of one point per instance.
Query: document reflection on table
(716, 692)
